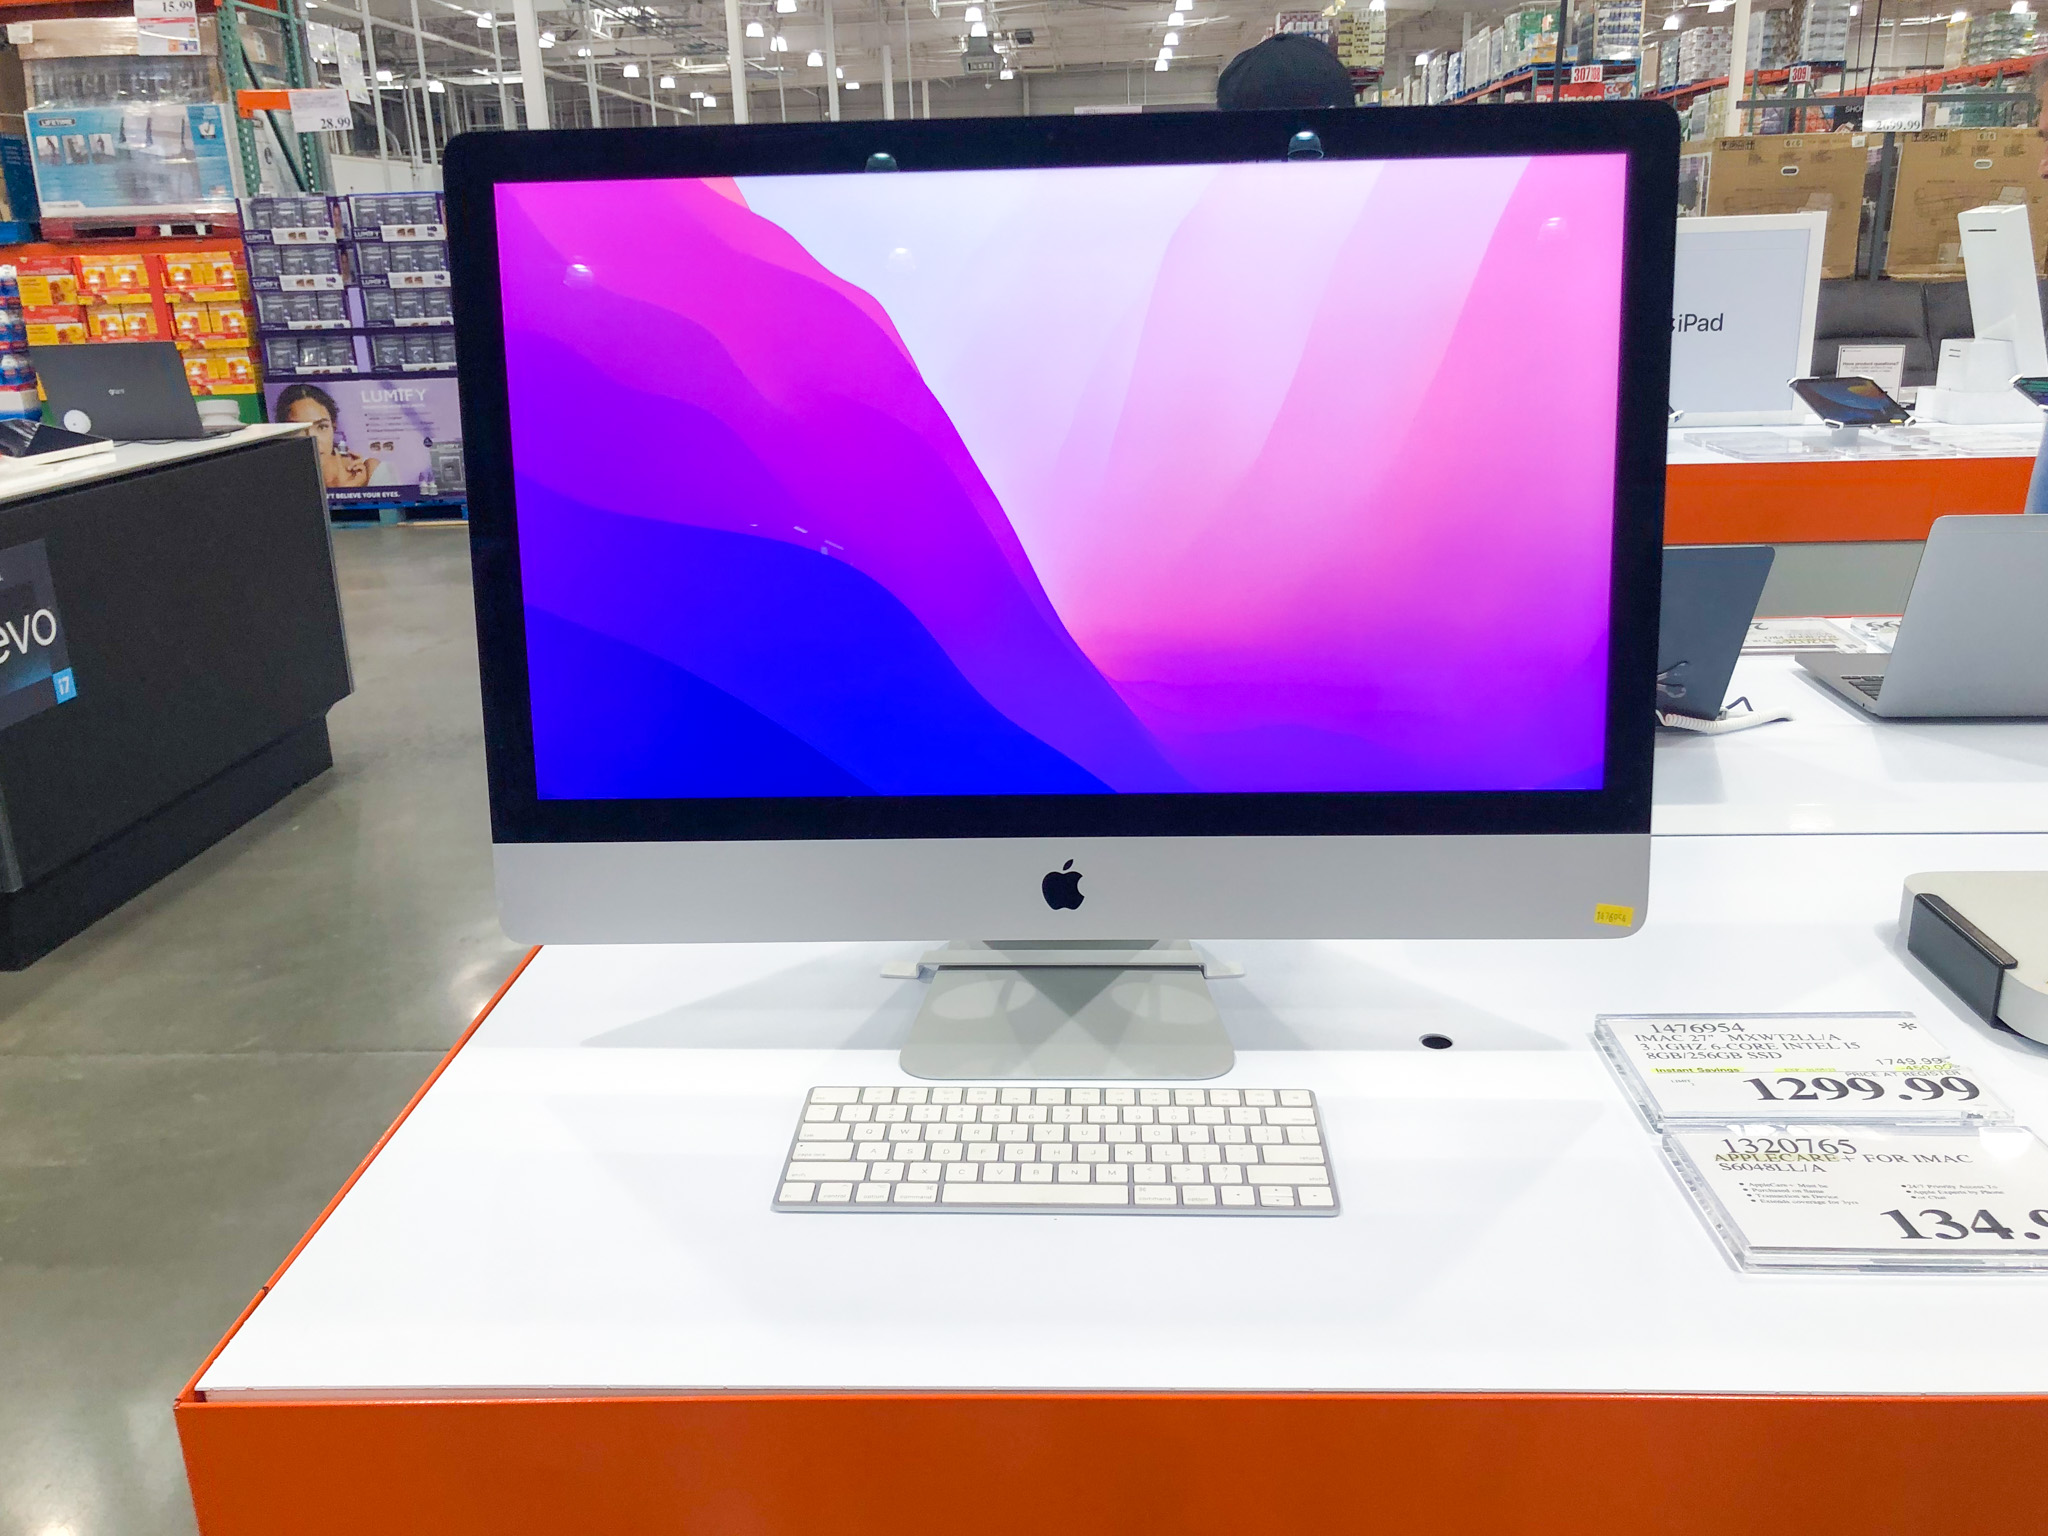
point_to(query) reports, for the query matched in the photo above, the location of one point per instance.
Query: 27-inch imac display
(1165, 479)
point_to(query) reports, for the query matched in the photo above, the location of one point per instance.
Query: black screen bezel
(1646, 133)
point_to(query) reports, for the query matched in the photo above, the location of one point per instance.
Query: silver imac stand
(1072, 1009)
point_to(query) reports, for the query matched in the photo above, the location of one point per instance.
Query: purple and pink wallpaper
(1203, 478)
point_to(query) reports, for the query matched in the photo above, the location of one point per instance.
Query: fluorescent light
(486, 19)
(383, 77)
(1007, 74)
(755, 29)
(1165, 53)
(973, 13)
(632, 71)
(853, 85)
(1672, 22)
(582, 53)
(778, 44)
(1173, 39)
(437, 88)
(785, 7)
(710, 101)
(839, 71)
(547, 39)
(815, 59)
(1377, 5)
(1160, 67)
(668, 82)
(979, 29)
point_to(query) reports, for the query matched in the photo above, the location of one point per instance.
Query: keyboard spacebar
(1036, 1194)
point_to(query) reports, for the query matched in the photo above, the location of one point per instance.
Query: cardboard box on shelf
(1945, 171)
(1796, 173)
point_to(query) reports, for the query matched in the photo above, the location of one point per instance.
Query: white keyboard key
(1192, 1135)
(1211, 1117)
(935, 1135)
(1229, 1135)
(1072, 1173)
(1033, 1114)
(1226, 1173)
(796, 1191)
(917, 1194)
(952, 1151)
(1314, 1196)
(1185, 1173)
(886, 1173)
(925, 1173)
(835, 1095)
(1225, 1098)
(1238, 1194)
(1015, 1095)
(871, 1194)
(1059, 1154)
(1154, 1096)
(820, 1152)
(1241, 1154)
(1049, 1096)
(1268, 1175)
(1168, 1153)
(999, 1173)
(1276, 1195)
(1265, 1098)
(913, 1095)
(877, 1096)
(856, 1114)
(1293, 1154)
(1190, 1097)
(1041, 1194)
(1034, 1173)
(1303, 1136)
(1119, 1096)
(1120, 1133)
(1043, 1133)
(1020, 1152)
(1084, 1134)
(1205, 1154)
(1148, 1173)
(1296, 1098)
(1176, 1114)
(981, 1095)
(1102, 1114)
(824, 1133)
(1290, 1117)
(983, 1152)
(870, 1133)
(1245, 1117)
(893, 1114)
(834, 1193)
(1129, 1154)
(962, 1173)
(906, 1133)
(1267, 1135)
(1156, 1194)
(1068, 1114)
(1137, 1114)
(977, 1133)
(926, 1114)
(1092, 1153)
(1013, 1133)
(959, 1114)
(871, 1151)
(947, 1095)
(1154, 1135)
(1193, 1194)
(1084, 1095)
(1112, 1173)
(997, 1114)
(818, 1113)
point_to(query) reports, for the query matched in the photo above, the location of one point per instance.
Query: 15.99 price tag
(1875, 1068)
(1868, 1197)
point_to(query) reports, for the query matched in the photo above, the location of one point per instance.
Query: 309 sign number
(1952, 1229)
(1833, 1090)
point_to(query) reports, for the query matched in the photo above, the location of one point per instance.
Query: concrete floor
(185, 1085)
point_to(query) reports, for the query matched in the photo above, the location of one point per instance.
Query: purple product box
(380, 439)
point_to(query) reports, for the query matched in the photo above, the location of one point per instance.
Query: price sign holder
(1707, 1069)
(1878, 1199)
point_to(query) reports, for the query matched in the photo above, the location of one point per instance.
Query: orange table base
(1833, 501)
(905, 1465)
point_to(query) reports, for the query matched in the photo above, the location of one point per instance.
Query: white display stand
(1745, 299)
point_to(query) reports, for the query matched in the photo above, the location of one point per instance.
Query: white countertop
(1833, 768)
(582, 1201)
(21, 478)
(1812, 443)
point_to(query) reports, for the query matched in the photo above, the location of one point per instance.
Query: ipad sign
(35, 665)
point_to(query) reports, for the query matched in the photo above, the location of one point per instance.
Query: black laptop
(1710, 596)
(132, 391)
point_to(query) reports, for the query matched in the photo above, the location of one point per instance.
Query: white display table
(1831, 768)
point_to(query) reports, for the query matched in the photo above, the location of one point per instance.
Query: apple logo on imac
(1063, 888)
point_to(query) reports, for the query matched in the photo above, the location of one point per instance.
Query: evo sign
(35, 666)
(1745, 294)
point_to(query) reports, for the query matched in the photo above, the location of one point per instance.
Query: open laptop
(1974, 638)
(132, 391)
(1710, 595)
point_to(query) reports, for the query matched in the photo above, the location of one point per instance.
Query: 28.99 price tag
(1877, 1068)
(1866, 1197)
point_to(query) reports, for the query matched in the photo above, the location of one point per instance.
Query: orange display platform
(797, 1463)
(1834, 501)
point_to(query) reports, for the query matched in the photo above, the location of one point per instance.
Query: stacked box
(1955, 44)
(17, 374)
(355, 306)
(1439, 71)
(1618, 31)
(1999, 35)
(1454, 75)
(1532, 39)
(190, 293)
(1667, 65)
(1360, 39)
(1823, 36)
(1770, 39)
(1306, 23)
(1703, 53)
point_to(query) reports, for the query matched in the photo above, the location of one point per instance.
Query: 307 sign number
(1834, 1089)
(1953, 1230)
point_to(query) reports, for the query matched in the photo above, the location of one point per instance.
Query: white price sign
(1893, 114)
(1845, 1196)
(324, 110)
(1879, 1068)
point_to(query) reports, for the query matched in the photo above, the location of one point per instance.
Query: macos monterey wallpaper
(1249, 478)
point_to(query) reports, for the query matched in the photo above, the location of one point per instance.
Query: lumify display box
(380, 439)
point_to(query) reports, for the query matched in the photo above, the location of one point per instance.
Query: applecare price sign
(1867, 1197)
(1875, 1068)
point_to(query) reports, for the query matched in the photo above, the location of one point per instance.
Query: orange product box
(48, 333)
(230, 320)
(238, 368)
(107, 323)
(46, 280)
(188, 321)
(138, 323)
(196, 373)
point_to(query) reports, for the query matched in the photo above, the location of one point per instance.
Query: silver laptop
(1974, 639)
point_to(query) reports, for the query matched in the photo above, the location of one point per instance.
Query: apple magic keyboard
(1119, 1151)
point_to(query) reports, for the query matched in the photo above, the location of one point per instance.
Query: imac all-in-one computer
(1056, 530)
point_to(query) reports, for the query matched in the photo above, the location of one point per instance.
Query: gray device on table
(1710, 595)
(131, 391)
(1974, 634)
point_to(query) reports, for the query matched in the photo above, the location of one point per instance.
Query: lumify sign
(35, 666)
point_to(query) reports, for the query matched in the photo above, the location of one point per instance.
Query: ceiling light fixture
(979, 29)
(973, 13)
(582, 53)
(710, 101)
(1160, 66)
(785, 7)
(437, 88)
(1958, 18)
(1673, 22)
(632, 71)
(778, 44)
(1006, 74)
(668, 82)
(755, 29)
(815, 59)
(853, 85)
(547, 39)
(383, 77)
(486, 19)
(1173, 39)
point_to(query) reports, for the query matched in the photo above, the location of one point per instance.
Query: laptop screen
(1244, 478)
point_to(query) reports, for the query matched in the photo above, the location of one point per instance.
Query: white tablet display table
(556, 1297)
